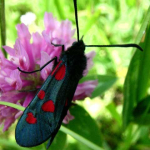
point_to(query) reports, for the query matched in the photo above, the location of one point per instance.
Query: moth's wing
(42, 118)
(70, 90)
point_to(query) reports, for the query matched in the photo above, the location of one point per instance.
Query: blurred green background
(117, 116)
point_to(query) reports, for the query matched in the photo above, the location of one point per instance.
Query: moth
(42, 118)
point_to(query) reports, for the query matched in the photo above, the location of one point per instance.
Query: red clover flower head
(30, 56)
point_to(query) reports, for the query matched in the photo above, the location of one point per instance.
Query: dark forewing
(41, 119)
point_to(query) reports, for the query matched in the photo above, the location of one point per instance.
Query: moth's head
(79, 44)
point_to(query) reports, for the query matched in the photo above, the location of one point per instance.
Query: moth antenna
(76, 18)
(117, 45)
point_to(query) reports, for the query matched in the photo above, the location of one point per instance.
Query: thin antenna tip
(139, 47)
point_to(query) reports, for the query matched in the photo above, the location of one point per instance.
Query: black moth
(42, 119)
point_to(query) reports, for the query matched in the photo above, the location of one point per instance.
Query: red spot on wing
(30, 118)
(59, 73)
(48, 106)
(41, 94)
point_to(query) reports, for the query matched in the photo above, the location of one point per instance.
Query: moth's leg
(56, 45)
(54, 59)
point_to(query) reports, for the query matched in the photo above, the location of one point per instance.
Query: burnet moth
(42, 118)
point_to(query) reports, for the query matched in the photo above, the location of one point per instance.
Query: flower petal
(89, 57)
(85, 89)
(68, 117)
(23, 32)
(44, 59)
(8, 123)
(28, 99)
(50, 22)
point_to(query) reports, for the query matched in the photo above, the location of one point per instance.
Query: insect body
(43, 117)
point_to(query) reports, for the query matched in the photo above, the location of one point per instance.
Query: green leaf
(84, 125)
(104, 83)
(130, 87)
(141, 112)
(136, 82)
(112, 109)
(144, 68)
(132, 136)
(59, 141)
(7, 144)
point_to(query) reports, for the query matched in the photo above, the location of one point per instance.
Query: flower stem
(80, 138)
(2, 25)
(12, 105)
